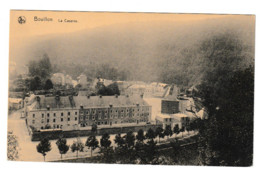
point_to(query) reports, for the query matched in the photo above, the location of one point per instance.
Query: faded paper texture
(131, 88)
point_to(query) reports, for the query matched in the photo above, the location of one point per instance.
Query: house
(70, 112)
(15, 103)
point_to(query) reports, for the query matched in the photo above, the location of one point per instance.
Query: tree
(12, 147)
(106, 150)
(129, 140)
(48, 85)
(104, 141)
(77, 146)
(182, 130)
(43, 147)
(140, 135)
(176, 129)
(229, 102)
(159, 132)
(119, 140)
(62, 146)
(150, 134)
(94, 128)
(92, 143)
(35, 83)
(176, 149)
(188, 128)
(168, 131)
(41, 68)
(150, 151)
(227, 92)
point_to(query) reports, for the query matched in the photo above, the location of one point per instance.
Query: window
(54, 114)
(33, 121)
(42, 115)
(76, 113)
(68, 113)
(87, 117)
(61, 114)
(127, 110)
(33, 115)
(48, 120)
(61, 119)
(116, 111)
(76, 118)
(48, 114)
(81, 118)
(68, 119)
(111, 116)
(93, 117)
(42, 121)
(122, 111)
(54, 120)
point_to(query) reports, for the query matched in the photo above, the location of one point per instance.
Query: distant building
(82, 79)
(171, 114)
(68, 80)
(58, 79)
(148, 90)
(15, 103)
(68, 112)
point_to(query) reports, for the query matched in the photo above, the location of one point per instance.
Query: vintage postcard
(131, 88)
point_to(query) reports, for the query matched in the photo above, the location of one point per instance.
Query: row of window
(54, 114)
(113, 116)
(54, 120)
(111, 111)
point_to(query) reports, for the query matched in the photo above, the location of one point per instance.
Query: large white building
(74, 112)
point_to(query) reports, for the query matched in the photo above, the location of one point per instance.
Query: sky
(85, 20)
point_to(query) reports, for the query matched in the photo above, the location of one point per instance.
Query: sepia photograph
(131, 88)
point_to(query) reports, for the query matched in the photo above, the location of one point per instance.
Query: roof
(14, 100)
(86, 101)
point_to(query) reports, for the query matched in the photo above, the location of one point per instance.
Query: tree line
(140, 148)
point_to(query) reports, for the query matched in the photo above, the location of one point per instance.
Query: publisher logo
(21, 20)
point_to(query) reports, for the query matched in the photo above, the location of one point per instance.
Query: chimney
(88, 96)
(48, 107)
(57, 97)
(38, 99)
(81, 106)
(110, 105)
(71, 100)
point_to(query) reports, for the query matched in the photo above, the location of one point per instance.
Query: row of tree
(129, 148)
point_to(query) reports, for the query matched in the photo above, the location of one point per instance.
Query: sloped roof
(87, 102)
(105, 101)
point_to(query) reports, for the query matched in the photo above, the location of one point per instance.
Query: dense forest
(153, 51)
